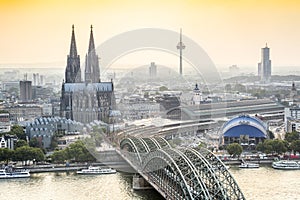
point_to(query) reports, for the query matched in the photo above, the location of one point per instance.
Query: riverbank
(267, 160)
(257, 161)
(119, 166)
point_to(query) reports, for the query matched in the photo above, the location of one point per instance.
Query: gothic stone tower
(89, 100)
(92, 72)
(73, 72)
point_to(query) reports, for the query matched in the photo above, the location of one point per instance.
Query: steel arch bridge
(180, 173)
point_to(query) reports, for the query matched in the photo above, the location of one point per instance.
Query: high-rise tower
(73, 72)
(152, 70)
(25, 91)
(264, 67)
(180, 46)
(92, 71)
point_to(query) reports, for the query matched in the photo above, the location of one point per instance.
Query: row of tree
(76, 152)
(24, 153)
(81, 150)
(290, 144)
(273, 146)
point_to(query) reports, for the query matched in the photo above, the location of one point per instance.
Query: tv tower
(180, 46)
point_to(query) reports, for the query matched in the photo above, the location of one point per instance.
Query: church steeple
(73, 72)
(197, 98)
(73, 49)
(92, 71)
(91, 44)
(294, 87)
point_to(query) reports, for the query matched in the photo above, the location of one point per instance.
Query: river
(257, 184)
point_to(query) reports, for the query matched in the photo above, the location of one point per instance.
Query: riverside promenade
(118, 165)
(72, 167)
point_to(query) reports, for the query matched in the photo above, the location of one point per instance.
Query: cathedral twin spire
(73, 48)
(92, 72)
(91, 43)
(73, 71)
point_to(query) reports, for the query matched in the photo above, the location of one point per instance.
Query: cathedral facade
(89, 99)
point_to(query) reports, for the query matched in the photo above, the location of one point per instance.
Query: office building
(264, 67)
(152, 70)
(25, 91)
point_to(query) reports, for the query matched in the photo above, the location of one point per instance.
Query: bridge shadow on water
(149, 194)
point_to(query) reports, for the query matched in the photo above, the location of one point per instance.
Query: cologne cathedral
(89, 99)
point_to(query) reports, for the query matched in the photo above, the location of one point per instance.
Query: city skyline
(38, 32)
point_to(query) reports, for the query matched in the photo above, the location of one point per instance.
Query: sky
(230, 31)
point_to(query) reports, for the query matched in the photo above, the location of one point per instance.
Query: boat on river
(245, 164)
(9, 172)
(286, 164)
(96, 170)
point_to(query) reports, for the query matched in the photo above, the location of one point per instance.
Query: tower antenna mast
(180, 46)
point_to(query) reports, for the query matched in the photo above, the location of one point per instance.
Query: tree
(54, 143)
(163, 88)
(18, 131)
(234, 149)
(78, 152)
(22, 154)
(38, 154)
(4, 111)
(272, 146)
(290, 137)
(5, 154)
(59, 156)
(267, 146)
(287, 145)
(97, 138)
(279, 146)
(260, 147)
(26, 153)
(21, 143)
(34, 143)
(295, 146)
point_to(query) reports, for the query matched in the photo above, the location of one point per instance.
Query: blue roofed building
(246, 130)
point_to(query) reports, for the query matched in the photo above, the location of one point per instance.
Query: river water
(258, 184)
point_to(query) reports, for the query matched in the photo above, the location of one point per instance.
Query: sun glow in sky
(230, 31)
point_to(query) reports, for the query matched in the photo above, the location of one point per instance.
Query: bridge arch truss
(181, 173)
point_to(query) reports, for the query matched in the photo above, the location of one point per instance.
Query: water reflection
(267, 183)
(259, 184)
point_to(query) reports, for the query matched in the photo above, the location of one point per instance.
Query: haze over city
(36, 33)
(163, 99)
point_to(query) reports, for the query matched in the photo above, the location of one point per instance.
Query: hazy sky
(230, 31)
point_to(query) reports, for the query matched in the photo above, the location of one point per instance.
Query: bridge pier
(139, 183)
